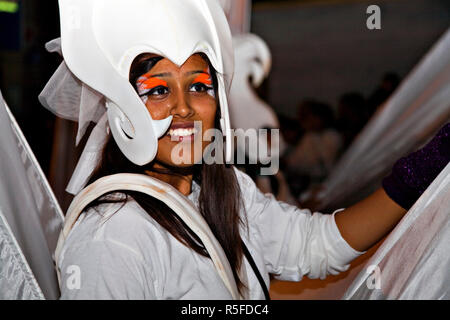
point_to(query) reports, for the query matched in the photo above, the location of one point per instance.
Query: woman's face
(187, 94)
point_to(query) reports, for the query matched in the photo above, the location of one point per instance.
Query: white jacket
(117, 251)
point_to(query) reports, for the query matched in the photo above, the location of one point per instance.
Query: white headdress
(99, 41)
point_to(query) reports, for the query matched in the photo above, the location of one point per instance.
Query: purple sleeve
(412, 174)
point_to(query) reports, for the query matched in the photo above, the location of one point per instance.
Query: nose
(181, 106)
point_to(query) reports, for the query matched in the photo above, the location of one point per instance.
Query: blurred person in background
(275, 184)
(389, 83)
(318, 148)
(352, 116)
(290, 131)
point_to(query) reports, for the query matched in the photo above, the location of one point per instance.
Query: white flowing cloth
(30, 219)
(414, 261)
(409, 118)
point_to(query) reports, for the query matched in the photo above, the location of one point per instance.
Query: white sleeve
(104, 270)
(293, 241)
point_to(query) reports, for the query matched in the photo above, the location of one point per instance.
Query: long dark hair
(219, 201)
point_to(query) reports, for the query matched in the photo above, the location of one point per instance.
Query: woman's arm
(365, 223)
(289, 242)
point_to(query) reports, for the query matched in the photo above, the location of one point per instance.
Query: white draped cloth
(414, 261)
(30, 219)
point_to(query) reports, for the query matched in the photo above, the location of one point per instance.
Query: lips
(178, 125)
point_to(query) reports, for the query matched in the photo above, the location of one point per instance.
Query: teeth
(182, 132)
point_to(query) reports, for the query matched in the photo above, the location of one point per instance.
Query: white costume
(122, 253)
(130, 255)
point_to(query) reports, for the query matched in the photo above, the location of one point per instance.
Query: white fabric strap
(163, 192)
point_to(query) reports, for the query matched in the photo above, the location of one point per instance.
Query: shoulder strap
(256, 271)
(163, 192)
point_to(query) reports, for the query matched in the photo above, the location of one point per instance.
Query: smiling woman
(186, 93)
(155, 87)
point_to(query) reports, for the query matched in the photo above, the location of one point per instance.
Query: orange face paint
(146, 82)
(204, 78)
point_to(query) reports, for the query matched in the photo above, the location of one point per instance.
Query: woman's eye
(200, 87)
(160, 90)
